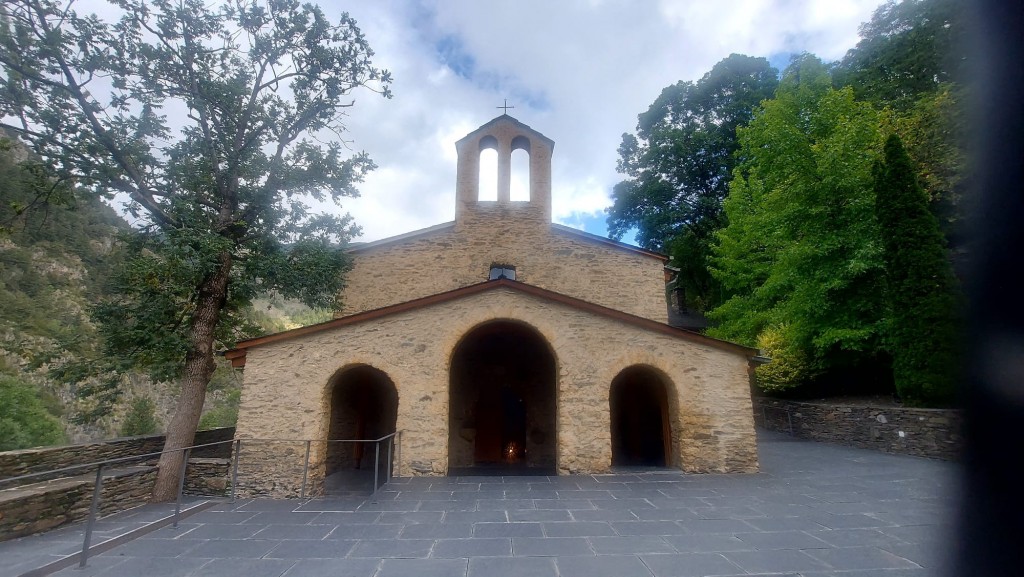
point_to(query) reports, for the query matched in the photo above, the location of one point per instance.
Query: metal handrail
(385, 437)
(106, 462)
(237, 442)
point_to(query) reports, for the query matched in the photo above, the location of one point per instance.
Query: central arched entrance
(640, 419)
(502, 402)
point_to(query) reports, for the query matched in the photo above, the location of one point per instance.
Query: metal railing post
(389, 464)
(376, 465)
(790, 419)
(181, 486)
(93, 509)
(234, 472)
(305, 471)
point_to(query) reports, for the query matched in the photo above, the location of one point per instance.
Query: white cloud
(578, 71)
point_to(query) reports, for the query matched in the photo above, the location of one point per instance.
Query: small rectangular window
(502, 271)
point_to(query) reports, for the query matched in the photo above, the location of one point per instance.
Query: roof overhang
(444, 226)
(237, 355)
(607, 241)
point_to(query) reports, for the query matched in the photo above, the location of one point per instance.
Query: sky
(578, 71)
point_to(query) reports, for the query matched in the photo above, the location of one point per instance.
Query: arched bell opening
(641, 424)
(502, 402)
(364, 406)
(520, 172)
(487, 183)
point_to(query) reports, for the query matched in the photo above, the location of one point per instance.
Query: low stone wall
(51, 500)
(41, 506)
(35, 508)
(268, 469)
(208, 477)
(26, 461)
(934, 433)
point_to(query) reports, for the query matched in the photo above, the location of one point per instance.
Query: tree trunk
(199, 367)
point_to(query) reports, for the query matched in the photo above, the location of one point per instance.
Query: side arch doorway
(502, 403)
(363, 405)
(641, 420)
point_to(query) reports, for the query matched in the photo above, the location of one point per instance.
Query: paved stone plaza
(814, 510)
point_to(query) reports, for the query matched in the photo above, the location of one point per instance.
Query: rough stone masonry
(416, 306)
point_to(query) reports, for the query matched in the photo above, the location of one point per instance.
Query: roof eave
(237, 354)
(607, 241)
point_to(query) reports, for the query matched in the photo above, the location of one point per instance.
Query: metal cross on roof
(506, 106)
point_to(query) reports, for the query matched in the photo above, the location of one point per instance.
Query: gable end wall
(447, 260)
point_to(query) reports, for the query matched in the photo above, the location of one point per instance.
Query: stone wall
(286, 394)
(29, 510)
(514, 233)
(543, 255)
(52, 500)
(934, 433)
(274, 469)
(206, 477)
(26, 461)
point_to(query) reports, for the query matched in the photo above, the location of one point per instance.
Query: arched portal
(640, 419)
(502, 402)
(364, 405)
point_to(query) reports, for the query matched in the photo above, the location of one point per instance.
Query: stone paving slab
(815, 510)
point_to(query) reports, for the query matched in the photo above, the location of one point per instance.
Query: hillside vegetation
(57, 256)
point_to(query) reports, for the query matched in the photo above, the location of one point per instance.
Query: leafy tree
(789, 365)
(799, 255)
(198, 114)
(140, 419)
(912, 59)
(934, 133)
(223, 414)
(24, 420)
(909, 49)
(922, 331)
(678, 165)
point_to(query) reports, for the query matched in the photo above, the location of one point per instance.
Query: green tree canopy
(140, 418)
(912, 61)
(922, 329)
(24, 420)
(799, 257)
(212, 120)
(907, 50)
(679, 161)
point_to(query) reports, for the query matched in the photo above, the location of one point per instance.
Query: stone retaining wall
(40, 507)
(934, 433)
(208, 477)
(25, 461)
(54, 500)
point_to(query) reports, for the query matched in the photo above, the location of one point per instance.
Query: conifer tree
(921, 332)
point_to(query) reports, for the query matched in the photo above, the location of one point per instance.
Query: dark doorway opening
(364, 405)
(502, 402)
(641, 427)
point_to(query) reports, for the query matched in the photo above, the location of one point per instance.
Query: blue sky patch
(450, 50)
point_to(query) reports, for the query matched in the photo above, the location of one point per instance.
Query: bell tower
(504, 134)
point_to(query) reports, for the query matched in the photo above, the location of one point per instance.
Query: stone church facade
(499, 342)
